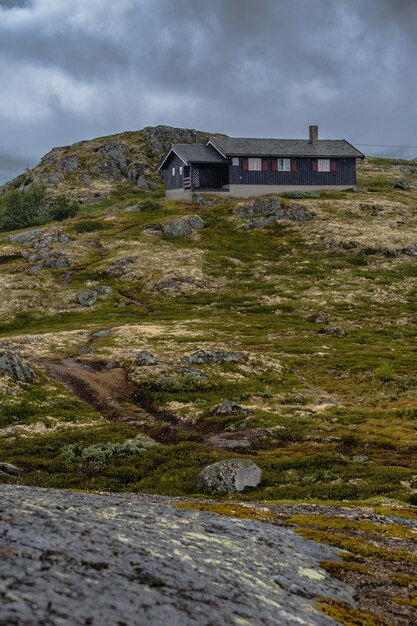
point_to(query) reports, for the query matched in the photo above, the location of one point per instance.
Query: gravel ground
(70, 558)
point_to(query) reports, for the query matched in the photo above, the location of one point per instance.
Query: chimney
(314, 135)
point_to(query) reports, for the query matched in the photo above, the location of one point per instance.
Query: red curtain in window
(274, 165)
(293, 165)
(245, 164)
(315, 165)
(265, 165)
(333, 166)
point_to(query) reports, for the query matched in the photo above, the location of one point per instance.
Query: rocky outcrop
(75, 558)
(12, 365)
(87, 298)
(183, 226)
(232, 476)
(214, 356)
(144, 357)
(269, 211)
(230, 408)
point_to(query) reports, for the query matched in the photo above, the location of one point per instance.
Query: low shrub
(61, 209)
(88, 226)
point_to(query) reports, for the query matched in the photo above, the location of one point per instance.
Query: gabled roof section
(193, 153)
(245, 147)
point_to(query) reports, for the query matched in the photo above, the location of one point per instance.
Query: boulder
(333, 330)
(320, 318)
(259, 206)
(85, 179)
(12, 365)
(229, 408)
(26, 237)
(10, 470)
(215, 356)
(402, 185)
(231, 476)
(54, 178)
(87, 297)
(144, 357)
(104, 290)
(183, 226)
(142, 183)
(194, 373)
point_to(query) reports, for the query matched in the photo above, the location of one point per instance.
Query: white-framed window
(235, 161)
(323, 165)
(255, 164)
(180, 170)
(284, 165)
(173, 171)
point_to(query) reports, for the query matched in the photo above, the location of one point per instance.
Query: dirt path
(106, 390)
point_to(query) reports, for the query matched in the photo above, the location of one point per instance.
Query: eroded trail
(106, 390)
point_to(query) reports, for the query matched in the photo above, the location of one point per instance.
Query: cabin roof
(245, 147)
(194, 153)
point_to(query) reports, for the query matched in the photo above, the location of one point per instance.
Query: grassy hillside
(332, 416)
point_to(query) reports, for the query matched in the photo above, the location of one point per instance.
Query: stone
(142, 183)
(216, 356)
(11, 470)
(69, 164)
(119, 266)
(104, 290)
(111, 365)
(259, 206)
(361, 458)
(54, 178)
(402, 185)
(144, 357)
(333, 330)
(200, 200)
(75, 558)
(229, 408)
(260, 222)
(194, 373)
(272, 210)
(26, 237)
(87, 297)
(231, 476)
(85, 179)
(183, 226)
(320, 318)
(13, 365)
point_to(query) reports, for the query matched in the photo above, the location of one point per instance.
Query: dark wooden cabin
(241, 167)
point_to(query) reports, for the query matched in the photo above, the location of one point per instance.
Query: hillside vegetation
(325, 404)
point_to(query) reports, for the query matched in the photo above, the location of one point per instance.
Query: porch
(201, 177)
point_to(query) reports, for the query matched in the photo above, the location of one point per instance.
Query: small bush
(61, 208)
(149, 205)
(22, 208)
(97, 455)
(88, 226)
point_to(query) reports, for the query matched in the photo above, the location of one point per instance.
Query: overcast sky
(76, 69)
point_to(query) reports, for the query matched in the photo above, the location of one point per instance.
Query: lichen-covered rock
(193, 373)
(104, 290)
(229, 408)
(115, 552)
(271, 210)
(12, 365)
(231, 476)
(87, 297)
(333, 330)
(144, 357)
(215, 356)
(183, 226)
(27, 236)
(10, 469)
(319, 318)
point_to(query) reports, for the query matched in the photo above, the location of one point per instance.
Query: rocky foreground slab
(72, 558)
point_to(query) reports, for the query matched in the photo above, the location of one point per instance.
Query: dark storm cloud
(74, 69)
